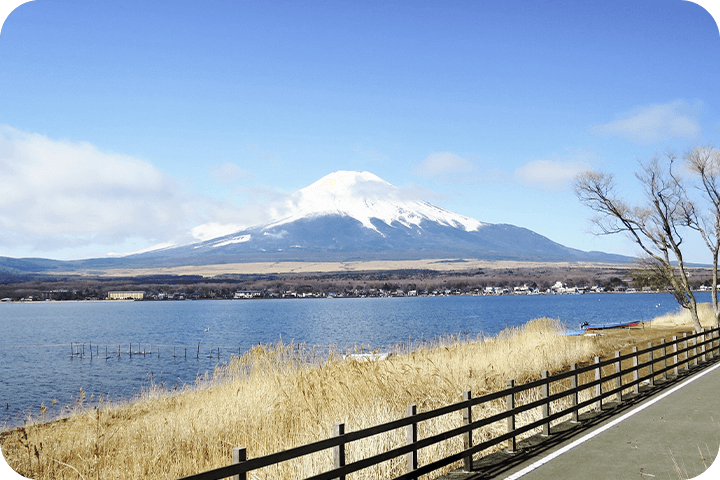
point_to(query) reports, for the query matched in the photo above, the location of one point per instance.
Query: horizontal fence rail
(679, 355)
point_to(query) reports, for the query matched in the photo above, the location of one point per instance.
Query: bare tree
(704, 162)
(656, 227)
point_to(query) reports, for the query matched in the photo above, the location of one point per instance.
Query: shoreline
(335, 297)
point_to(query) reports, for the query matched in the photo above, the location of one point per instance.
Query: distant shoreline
(313, 279)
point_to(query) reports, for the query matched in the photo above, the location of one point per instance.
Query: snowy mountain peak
(341, 180)
(365, 196)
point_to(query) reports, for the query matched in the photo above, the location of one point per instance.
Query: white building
(126, 295)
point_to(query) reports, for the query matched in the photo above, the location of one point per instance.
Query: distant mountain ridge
(349, 216)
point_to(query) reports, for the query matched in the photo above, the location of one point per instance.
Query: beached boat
(601, 326)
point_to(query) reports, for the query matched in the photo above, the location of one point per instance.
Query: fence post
(546, 405)
(598, 387)
(675, 355)
(711, 353)
(687, 352)
(618, 381)
(239, 455)
(636, 373)
(339, 451)
(694, 340)
(651, 370)
(574, 397)
(467, 439)
(702, 347)
(510, 405)
(412, 459)
(663, 354)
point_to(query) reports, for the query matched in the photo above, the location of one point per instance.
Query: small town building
(126, 295)
(248, 294)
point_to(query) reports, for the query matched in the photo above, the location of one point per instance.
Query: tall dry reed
(681, 317)
(278, 396)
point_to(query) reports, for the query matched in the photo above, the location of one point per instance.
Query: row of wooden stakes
(77, 350)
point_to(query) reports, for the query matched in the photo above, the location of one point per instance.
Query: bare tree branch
(656, 227)
(704, 163)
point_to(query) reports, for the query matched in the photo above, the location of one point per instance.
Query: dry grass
(274, 398)
(681, 318)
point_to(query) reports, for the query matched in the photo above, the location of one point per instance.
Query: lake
(36, 364)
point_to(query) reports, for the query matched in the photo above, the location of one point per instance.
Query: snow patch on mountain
(364, 197)
(238, 239)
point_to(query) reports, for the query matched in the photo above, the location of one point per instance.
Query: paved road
(673, 434)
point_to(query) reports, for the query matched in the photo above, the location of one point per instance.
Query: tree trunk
(715, 304)
(695, 319)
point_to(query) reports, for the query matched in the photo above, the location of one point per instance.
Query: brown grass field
(274, 397)
(440, 265)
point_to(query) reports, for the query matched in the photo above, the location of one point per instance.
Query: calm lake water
(36, 365)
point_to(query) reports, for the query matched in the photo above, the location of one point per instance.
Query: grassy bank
(275, 397)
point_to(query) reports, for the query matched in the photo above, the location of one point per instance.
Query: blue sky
(129, 124)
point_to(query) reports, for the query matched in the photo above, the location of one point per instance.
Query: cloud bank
(59, 195)
(554, 173)
(654, 123)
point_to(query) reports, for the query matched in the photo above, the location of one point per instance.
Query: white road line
(587, 437)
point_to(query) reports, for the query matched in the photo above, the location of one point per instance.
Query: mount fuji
(357, 216)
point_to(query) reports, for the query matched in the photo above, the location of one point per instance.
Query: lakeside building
(248, 294)
(137, 295)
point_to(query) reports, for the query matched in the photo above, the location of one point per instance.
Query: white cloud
(443, 164)
(451, 168)
(228, 173)
(550, 174)
(210, 230)
(57, 195)
(656, 123)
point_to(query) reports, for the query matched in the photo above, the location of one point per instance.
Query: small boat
(585, 326)
(601, 326)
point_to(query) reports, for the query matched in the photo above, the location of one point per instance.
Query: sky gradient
(129, 124)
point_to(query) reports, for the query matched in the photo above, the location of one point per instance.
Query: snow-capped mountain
(345, 216)
(366, 197)
(355, 216)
